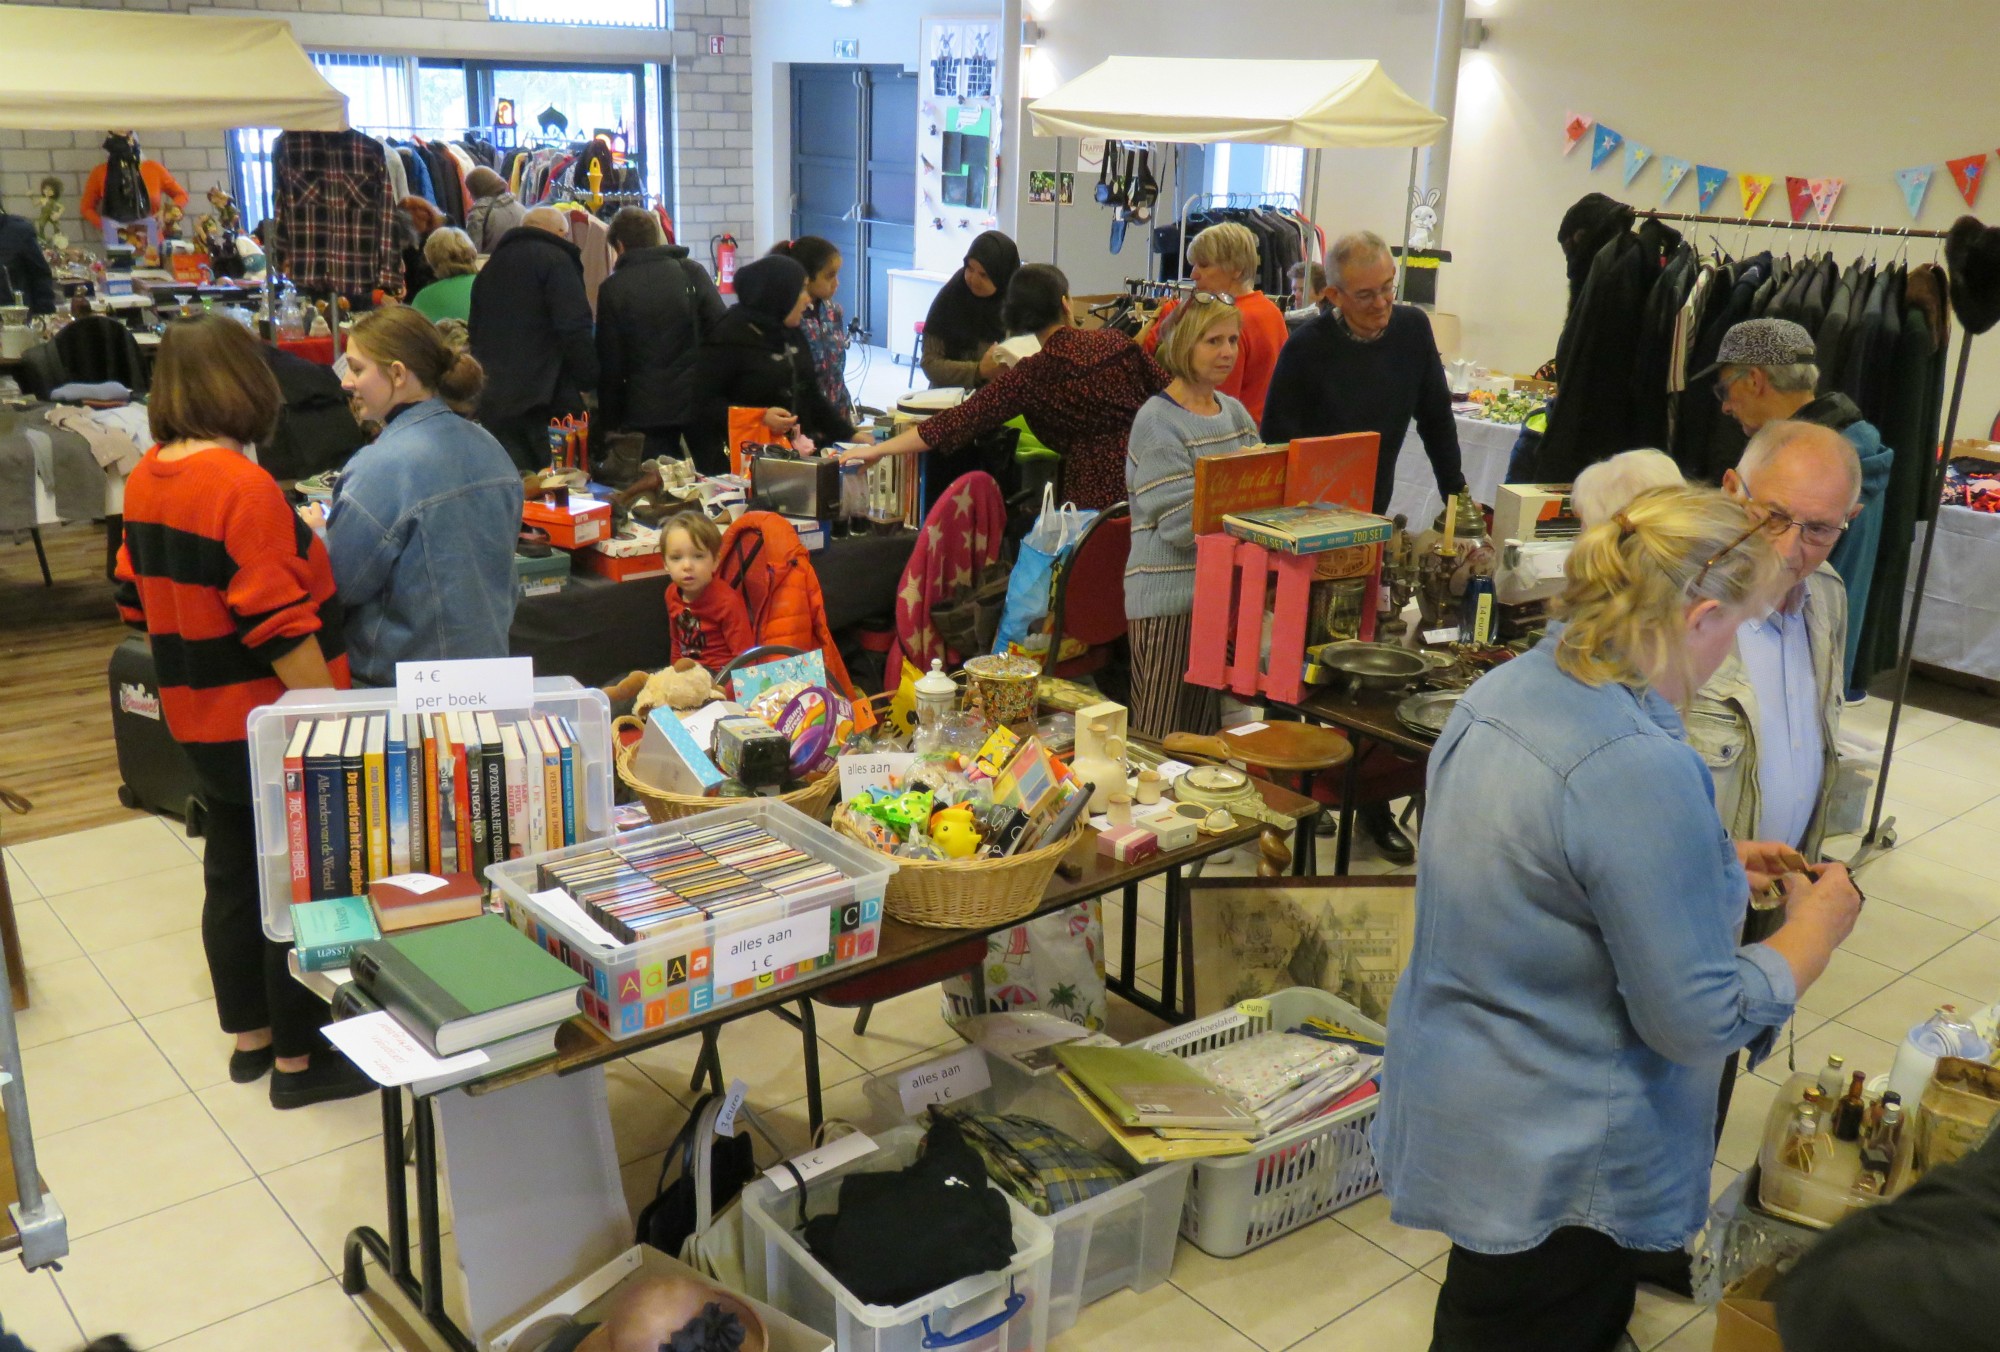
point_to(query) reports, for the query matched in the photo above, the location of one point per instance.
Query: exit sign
(715, 43)
(847, 49)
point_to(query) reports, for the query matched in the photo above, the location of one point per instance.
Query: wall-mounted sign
(847, 49)
(715, 43)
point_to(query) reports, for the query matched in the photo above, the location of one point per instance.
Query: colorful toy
(955, 832)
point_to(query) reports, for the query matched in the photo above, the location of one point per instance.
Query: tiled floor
(204, 1222)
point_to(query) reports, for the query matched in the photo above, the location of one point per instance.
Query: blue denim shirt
(1574, 987)
(421, 533)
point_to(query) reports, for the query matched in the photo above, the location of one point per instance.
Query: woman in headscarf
(964, 321)
(756, 359)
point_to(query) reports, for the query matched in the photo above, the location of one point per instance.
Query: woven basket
(663, 806)
(969, 893)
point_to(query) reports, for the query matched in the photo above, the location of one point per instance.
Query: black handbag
(968, 623)
(669, 1219)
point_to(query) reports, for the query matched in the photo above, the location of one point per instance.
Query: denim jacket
(1574, 986)
(422, 532)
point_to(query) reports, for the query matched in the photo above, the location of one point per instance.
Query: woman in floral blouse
(824, 327)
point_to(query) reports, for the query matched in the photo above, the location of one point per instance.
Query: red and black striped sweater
(224, 578)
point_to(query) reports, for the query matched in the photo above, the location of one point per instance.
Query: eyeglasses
(1725, 385)
(1213, 298)
(1775, 523)
(1722, 554)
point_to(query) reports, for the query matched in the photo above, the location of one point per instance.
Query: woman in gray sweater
(1185, 421)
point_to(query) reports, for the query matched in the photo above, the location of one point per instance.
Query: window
(612, 13)
(1256, 169)
(381, 92)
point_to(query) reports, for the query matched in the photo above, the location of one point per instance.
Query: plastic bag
(1053, 963)
(1053, 535)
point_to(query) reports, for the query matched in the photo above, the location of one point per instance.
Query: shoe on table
(330, 1076)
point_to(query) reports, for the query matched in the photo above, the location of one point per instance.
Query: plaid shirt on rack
(333, 216)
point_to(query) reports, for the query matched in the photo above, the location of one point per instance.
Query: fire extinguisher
(722, 250)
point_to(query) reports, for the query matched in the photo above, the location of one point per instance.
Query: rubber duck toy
(955, 833)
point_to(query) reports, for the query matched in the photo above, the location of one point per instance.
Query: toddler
(705, 618)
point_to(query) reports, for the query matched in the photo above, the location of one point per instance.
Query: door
(854, 131)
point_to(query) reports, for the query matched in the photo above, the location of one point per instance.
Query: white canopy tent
(94, 68)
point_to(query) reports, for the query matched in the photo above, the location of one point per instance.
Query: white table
(1960, 627)
(1483, 449)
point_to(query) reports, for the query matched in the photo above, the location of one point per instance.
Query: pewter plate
(1378, 661)
(1426, 713)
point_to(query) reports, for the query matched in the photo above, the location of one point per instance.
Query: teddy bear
(685, 685)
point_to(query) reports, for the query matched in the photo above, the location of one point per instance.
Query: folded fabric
(78, 390)
(111, 442)
(1045, 1170)
(1263, 1068)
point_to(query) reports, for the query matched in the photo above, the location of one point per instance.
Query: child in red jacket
(706, 619)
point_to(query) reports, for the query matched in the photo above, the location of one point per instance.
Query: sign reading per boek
(475, 685)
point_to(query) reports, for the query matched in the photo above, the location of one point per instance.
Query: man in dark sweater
(1369, 366)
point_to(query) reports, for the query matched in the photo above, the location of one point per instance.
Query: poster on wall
(1048, 188)
(958, 137)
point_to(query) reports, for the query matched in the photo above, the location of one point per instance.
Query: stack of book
(377, 795)
(1155, 1105)
(326, 932)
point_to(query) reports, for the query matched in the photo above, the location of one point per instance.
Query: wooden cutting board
(1271, 746)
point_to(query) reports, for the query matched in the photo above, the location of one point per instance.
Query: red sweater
(712, 628)
(224, 578)
(1264, 332)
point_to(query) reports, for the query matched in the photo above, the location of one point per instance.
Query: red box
(626, 568)
(1127, 844)
(581, 521)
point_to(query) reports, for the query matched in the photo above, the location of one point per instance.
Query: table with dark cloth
(32, 452)
(597, 631)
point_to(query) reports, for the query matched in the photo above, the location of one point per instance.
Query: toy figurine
(48, 215)
(954, 832)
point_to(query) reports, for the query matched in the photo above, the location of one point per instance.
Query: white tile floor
(204, 1222)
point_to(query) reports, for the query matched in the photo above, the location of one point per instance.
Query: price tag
(475, 685)
(957, 1076)
(816, 1162)
(1436, 636)
(1170, 770)
(565, 908)
(1254, 1009)
(764, 949)
(871, 771)
(1189, 1033)
(420, 883)
(725, 1121)
(1245, 729)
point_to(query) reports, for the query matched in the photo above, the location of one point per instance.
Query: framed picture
(1348, 936)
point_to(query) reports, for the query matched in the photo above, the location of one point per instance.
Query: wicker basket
(663, 806)
(970, 893)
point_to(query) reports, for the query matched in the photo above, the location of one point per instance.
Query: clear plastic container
(669, 976)
(270, 727)
(1005, 1311)
(1826, 1195)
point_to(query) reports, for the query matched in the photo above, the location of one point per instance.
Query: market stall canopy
(1202, 99)
(71, 69)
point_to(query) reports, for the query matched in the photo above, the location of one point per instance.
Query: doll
(48, 215)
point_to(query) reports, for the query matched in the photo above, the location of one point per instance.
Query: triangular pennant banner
(1915, 183)
(1603, 142)
(1753, 187)
(1968, 173)
(1575, 127)
(1798, 195)
(1672, 170)
(1636, 156)
(1825, 192)
(1708, 182)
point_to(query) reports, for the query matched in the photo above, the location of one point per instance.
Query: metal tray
(1426, 712)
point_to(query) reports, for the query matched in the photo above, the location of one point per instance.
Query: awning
(1202, 99)
(88, 69)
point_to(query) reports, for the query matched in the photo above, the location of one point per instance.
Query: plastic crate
(1121, 1238)
(1295, 1177)
(270, 727)
(1006, 1311)
(668, 977)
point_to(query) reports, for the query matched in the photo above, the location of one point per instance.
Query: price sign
(1437, 636)
(479, 685)
(815, 1162)
(725, 1121)
(764, 949)
(871, 771)
(957, 1076)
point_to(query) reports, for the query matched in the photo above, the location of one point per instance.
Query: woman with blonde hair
(1549, 1091)
(1223, 260)
(452, 258)
(423, 522)
(1199, 349)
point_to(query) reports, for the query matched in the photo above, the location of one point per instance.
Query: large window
(1263, 170)
(615, 13)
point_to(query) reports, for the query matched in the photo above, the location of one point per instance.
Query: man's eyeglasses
(1775, 523)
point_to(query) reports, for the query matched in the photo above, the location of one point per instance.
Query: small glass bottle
(1832, 1079)
(1847, 1113)
(1800, 1150)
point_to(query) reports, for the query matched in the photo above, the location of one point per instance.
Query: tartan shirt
(333, 213)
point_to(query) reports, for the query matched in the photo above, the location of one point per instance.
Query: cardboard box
(622, 568)
(1745, 1321)
(581, 521)
(539, 577)
(1127, 844)
(1956, 1108)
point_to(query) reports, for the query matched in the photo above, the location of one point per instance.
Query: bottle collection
(1831, 1145)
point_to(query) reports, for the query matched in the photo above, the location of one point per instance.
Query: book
(545, 737)
(351, 1002)
(1149, 1147)
(566, 750)
(420, 829)
(1308, 530)
(465, 732)
(516, 764)
(1337, 470)
(325, 932)
(413, 900)
(463, 985)
(433, 847)
(396, 770)
(461, 793)
(351, 755)
(493, 759)
(1143, 1088)
(531, 778)
(375, 785)
(297, 853)
(326, 811)
(1237, 481)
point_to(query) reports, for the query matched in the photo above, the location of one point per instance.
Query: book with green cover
(1311, 529)
(467, 983)
(325, 932)
(1143, 1088)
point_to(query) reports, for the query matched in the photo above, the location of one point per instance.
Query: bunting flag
(1968, 173)
(1575, 127)
(1825, 192)
(1603, 142)
(1672, 170)
(1753, 187)
(1708, 184)
(1798, 195)
(1636, 156)
(1914, 184)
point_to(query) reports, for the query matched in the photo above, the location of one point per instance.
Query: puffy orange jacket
(771, 569)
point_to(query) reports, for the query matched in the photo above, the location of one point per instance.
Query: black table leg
(1343, 851)
(1170, 953)
(1128, 938)
(815, 1108)
(394, 1253)
(1180, 913)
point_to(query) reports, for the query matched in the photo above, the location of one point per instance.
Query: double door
(854, 180)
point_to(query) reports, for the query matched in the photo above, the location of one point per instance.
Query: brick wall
(711, 118)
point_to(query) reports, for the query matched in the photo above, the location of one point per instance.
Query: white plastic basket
(1006, 1311)
(1295, 1177)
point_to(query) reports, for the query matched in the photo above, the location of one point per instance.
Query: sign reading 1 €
(480, 685)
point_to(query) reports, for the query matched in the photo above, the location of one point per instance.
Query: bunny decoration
(1423, 217)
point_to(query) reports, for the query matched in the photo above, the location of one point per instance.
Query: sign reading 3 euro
(476, 685)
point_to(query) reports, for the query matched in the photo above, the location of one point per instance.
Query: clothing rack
(1234, 199)
(1881, 231)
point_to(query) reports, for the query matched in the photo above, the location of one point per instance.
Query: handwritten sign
(813, 1163)
(725, 1121)
(954, 1077)
(764, 949)
(871, 771)
(475, 685)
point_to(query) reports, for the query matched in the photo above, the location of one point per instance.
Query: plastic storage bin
(271, 727)
(670, 976)
(1006, 1311)
(1295, 1177)
(1122, 1238)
